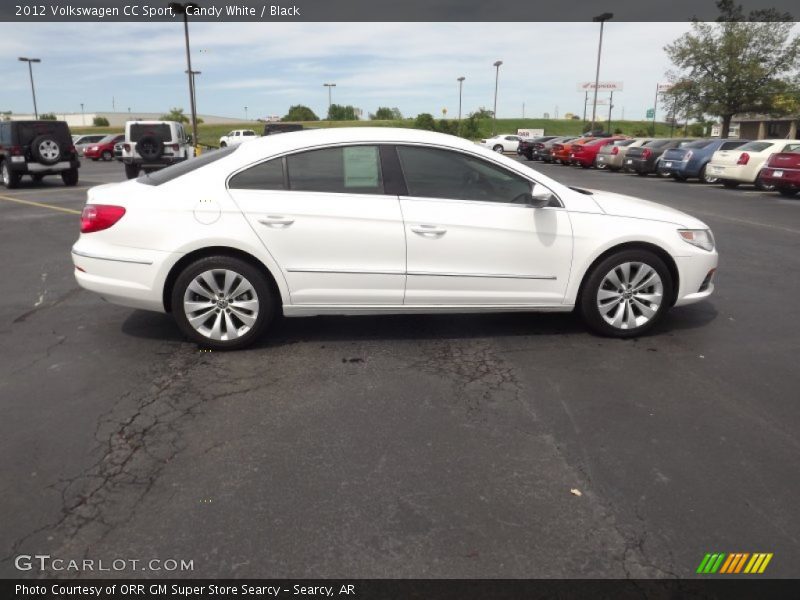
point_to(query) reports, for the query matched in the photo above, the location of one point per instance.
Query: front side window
(435, 173)
(345, 170)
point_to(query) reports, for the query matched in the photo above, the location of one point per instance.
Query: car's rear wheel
(626, 293)
(131, 171)
(10, 178)
(498, 148)
(763, 185)
(601, 166)
(730, 184)
(70, 177)
(705, 177)
(107, 155)
(788, 192)
(222, 303)
(223, 145)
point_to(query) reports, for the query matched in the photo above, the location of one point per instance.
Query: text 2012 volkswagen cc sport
(379, 221)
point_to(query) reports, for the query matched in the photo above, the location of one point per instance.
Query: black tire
(223, 145)
(267, 302)
(601, 166)
(70, 177)
(587, 302)
(46, 149)
(9, 178)
(529, 155)
(681, 178)
(729, 184)
(788, 192)
(498, 148)
(107, 155)
(642, 173)
(150, 147)
(131, 171)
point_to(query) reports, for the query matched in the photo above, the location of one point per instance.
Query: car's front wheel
(498, 148)
(222, 303)
(626, 294)
(788, 192)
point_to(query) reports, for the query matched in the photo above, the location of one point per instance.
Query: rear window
(730, 145)
(27, 131)
(791, 148)
(139, 130)
(698, 144)
(657, 143)
(755, 146)
(187, 166)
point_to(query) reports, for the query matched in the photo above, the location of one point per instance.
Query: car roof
(309, 138)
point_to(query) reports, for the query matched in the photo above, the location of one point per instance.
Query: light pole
(33, 89)
(329, 86)
(460, 88)
(183, 9)
(83, 116)
(194, 94)
(496, 81)
(602, 20)
(245, 113)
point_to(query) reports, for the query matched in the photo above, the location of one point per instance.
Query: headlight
(702, 238)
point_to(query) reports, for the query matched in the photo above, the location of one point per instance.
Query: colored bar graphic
(724, 563)
(727, 564)
(740, 564)
(764, 564)
(717, 563)
(703, 563)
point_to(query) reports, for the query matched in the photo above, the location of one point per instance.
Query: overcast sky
(270, 66)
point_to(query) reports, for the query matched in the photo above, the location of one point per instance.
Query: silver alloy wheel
(221, 304)
(49, 150)
(630, 295)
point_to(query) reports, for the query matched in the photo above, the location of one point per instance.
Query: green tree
(738, 64)
(445, 126)
(425, 121)
(470, 128)
(299, 112)
(337, 112)
(100, 122)
(175, 114)
(47, 117)
(396, 114)
(482, 113)
(384, 113)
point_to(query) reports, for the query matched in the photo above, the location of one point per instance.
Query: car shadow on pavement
(157, 326)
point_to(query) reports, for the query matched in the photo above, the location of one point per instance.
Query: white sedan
(501, 143)
(744, 164)
(381, 221)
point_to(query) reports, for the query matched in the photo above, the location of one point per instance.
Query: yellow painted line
(765, 563)
(51, 190)
(70, 211)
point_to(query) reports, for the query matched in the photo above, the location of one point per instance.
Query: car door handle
(429, 230)
(272, 221)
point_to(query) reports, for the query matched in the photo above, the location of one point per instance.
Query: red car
(104, 148)
(585, 154)
(783, 171)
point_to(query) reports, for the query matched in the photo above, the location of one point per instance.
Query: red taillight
(646, 153)
(96, 217)
(126, 147)
(615, 150)
(744, 158)
(15, 150)
(176, 147)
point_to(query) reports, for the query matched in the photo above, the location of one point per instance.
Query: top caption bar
(377, 10)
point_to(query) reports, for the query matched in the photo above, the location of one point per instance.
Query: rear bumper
(681, 168)
(640, 165)
(164, 161)
(731, 172)
(40, 169)
(787, 178)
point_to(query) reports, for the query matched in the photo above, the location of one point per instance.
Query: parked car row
(767, 164)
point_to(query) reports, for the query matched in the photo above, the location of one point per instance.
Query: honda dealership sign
(602, 86)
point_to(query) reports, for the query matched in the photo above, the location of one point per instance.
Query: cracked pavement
(405, 446)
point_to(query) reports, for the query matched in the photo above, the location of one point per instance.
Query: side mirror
(540, 196)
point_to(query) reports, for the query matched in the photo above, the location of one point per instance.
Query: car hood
(628, 206)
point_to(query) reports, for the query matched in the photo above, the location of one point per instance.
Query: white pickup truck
(236, 137)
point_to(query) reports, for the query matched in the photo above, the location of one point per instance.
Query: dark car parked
(273, 128)
(643, 160)
(37, 148)
(545, 153)
(529, 148)
(690, 160)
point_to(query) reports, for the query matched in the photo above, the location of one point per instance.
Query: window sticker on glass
(361, 167)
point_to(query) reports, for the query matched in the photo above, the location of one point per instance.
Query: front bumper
(696, 274)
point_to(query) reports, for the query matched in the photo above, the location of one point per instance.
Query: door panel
(332, 248)
(485, 253)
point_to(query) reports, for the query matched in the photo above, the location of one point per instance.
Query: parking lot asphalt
(512, 445)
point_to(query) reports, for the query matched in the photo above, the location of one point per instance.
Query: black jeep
(37, 148)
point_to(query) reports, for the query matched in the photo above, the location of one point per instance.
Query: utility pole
(496, 81)
(183, 9)
(460, 89)
(30, 61)
(602, 20)
(330, 86)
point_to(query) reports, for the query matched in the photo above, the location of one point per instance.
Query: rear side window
(139, 130)
(263, 176)
(730, 145)
(435, 173)
(184, 167)
(755, 146)
(346, 170)
(249, 133)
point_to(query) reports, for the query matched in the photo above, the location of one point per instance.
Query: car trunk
(785, 160)
(676, 154)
